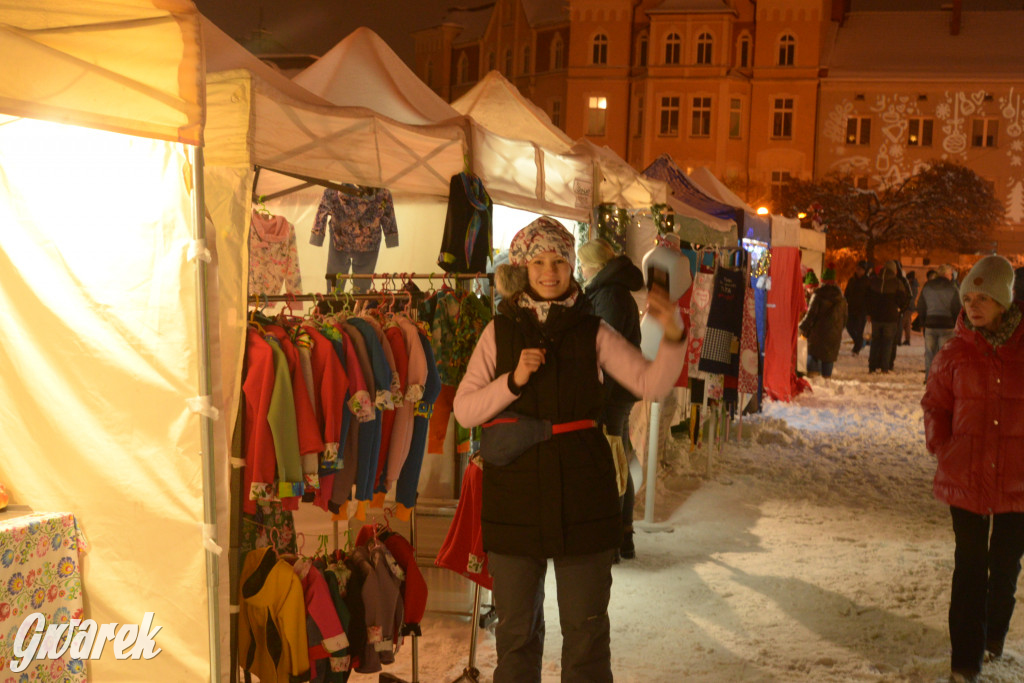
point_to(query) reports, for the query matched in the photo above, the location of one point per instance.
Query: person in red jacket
(974, 424)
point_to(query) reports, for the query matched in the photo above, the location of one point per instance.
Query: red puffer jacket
(974, 422)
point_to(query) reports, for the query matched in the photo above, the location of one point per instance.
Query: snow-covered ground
(813, 552)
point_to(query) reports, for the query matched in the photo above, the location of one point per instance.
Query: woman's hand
(530, 361)
(664, 311)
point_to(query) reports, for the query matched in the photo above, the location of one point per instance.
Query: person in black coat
(608, 281)
(887, 298)
(823, 325)
(857, 305)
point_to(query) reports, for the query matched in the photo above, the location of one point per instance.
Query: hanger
(261, 206)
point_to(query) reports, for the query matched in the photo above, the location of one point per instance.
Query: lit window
(673, 45)
(597, 111)
(984, 132)
(669, 116)
(858, 130)
(919, 132)
(782, 117)
(704, 43)
(787, 50)
(600, 52)
(735, 117)
(700, 126)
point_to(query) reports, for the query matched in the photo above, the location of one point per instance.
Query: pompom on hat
(992, 276)
(828, 274)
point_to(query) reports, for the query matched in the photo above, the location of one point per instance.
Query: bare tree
(944, 204)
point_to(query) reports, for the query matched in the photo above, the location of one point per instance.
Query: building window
(557, 53)
(745, 52)
(491, 61)
(782, 118)
(462, 69)
(787, 50)
(429, 78)
(780, 179)
(600, 49)
(526, 59)
(858, 130)
(640, 116)
(919, 132)
(641, 50)
(508, 62)
(669, 116)
(860, 182)
(700, 126)
(597, 110)
(735, 117)
(704, 43)
(556, 113)
(984, 132)
(673, 45)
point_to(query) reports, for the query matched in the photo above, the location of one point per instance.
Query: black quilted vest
(559, 497)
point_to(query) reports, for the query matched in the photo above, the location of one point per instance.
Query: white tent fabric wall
(98, 300)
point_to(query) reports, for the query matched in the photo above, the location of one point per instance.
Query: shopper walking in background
(886, 299)
(823, 325)
(608, 280)
(973, 416)
(938, 307)
(553, 493)
(857, 305)
(908, 314)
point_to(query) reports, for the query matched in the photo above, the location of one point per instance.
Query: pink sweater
(481, 395)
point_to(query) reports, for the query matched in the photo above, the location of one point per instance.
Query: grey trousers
(584, 585)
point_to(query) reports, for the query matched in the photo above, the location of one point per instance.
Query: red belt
(560, 428)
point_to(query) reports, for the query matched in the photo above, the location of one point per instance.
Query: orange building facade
(759, 92)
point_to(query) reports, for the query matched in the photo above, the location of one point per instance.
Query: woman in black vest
(542, 357)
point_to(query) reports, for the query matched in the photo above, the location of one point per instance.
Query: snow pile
(813, 552)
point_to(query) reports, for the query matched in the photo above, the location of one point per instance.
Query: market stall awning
(130, 66)
(753, 225)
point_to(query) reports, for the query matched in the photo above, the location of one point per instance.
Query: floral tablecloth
(39, 572)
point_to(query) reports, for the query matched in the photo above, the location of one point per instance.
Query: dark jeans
(822, 367)
(985, 570)
(855, 328)
(883, 336)
(584, 585)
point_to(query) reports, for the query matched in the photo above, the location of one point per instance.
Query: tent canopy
(363, 71)
(68, 61)
(754, 225)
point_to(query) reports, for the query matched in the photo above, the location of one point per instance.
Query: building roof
(919, 44)
(541, 12)
(691, 6)
(473, 20)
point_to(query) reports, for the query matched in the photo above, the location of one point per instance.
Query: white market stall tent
(101, 302)
(362, 70)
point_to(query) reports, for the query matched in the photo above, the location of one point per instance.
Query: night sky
(315, 26)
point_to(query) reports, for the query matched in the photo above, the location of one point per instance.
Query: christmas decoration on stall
(664, 218)
(612, 224)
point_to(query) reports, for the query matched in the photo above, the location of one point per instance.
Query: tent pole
(206, 425)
